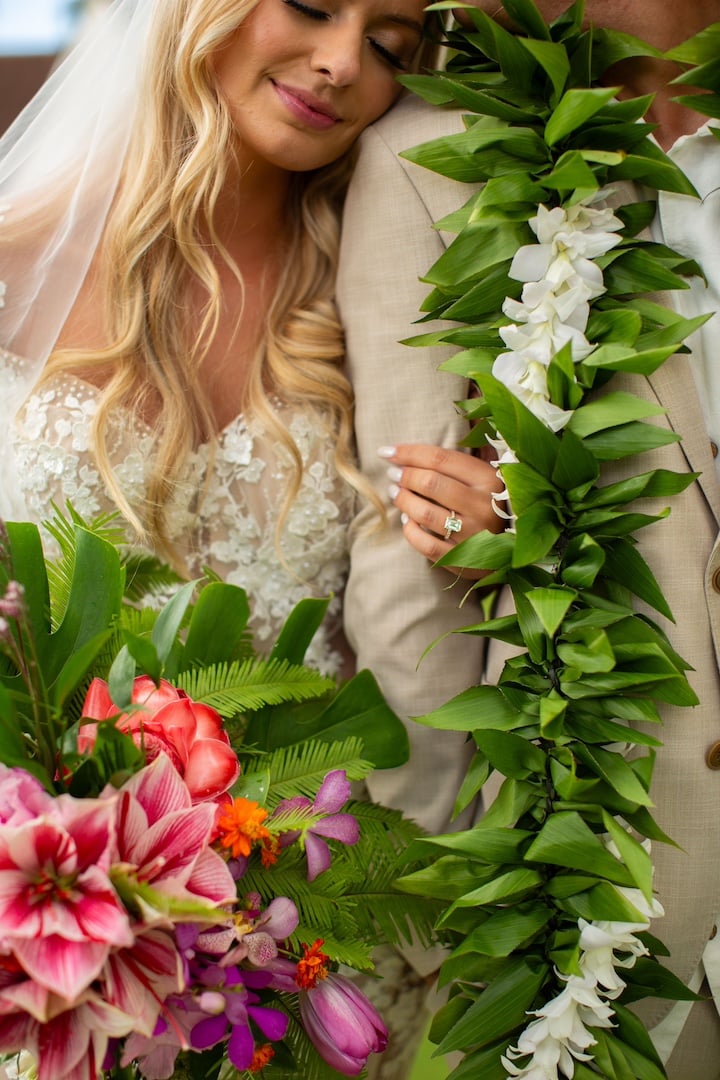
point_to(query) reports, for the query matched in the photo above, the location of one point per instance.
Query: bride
(170, 210)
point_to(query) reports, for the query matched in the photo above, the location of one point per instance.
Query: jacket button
(714, 449)
(716, 581)
(713, 933)
(712, 757)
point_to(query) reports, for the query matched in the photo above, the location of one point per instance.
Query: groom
(388, 243)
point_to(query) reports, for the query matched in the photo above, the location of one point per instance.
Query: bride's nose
(338, 54)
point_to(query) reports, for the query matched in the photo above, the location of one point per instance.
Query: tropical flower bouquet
(549, 899)
(170, 804)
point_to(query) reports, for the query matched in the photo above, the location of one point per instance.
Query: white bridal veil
(59, 168)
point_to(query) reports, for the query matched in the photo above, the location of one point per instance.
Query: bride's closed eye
(319, 15)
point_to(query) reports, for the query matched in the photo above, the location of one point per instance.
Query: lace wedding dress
(225, 511)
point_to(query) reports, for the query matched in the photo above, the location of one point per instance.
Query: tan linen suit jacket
(387, 244)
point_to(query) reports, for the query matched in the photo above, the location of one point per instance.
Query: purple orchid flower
(232, 1005)
(334, 792)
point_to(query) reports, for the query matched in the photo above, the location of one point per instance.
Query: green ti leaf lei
(550, 897)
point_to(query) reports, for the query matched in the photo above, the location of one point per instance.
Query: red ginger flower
(190, 733)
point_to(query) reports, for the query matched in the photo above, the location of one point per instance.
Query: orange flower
(241, 825)
(312, 968)
(261, 1057)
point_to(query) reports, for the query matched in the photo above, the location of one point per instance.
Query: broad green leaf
(525, 14)
(602, 903)
(359, 709)
(479, 247)
(624, 563)
(593, 654)
(120, 678)
(575, 465)
(501, 888)
(648, 978)
(486, 845)
(552, 58)
(660, 483)
(474, 709)
(144, 654)
(170, 620)
(447, 879)
(506, 931)
(633, 854)
(528, 436)
(611, 410)
(553, 709)
(218, 625)
(94, 602)
(551, 606)
(76, 668)
(484, 551)
(565, 840)
(428, 87)
(573, 109)
(703, 48)
(582, 561)
(476, 775)
(613, 768)
(622, 442)
(536, 532)
(499, 1010)
(571, 173)
(300, 628)
(254, 786)
(484, 298)
(535, 638)
(512, 801)
(510, 754)
(485, 1064)
(656, 171)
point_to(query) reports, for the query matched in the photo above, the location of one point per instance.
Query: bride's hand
(444, 497)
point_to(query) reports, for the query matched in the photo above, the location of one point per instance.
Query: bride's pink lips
(306, 107)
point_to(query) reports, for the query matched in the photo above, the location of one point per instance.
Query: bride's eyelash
(304, 9)
(321, 16)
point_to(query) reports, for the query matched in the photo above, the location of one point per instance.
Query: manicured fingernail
(393, 491)
(386, 451)
(404, 519)
(395, 473)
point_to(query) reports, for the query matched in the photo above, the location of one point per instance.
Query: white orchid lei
(550, 897)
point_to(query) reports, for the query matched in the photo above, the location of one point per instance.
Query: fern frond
(247, 685)
(146, 575)
(61, 527)
(300, 769)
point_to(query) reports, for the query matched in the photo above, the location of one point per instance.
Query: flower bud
(342, 1024)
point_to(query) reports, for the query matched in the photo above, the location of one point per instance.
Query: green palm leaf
(249, 684)
(300, 769)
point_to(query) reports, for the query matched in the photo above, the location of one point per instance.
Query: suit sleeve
(396, 604)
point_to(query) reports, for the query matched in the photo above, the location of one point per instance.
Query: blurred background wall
(33, 33)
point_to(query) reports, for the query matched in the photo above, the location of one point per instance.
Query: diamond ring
(452, 525)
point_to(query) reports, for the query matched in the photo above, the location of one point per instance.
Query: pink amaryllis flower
(168, 721)
(69, 1044)
(334, 792)
(342, 1024)
(59, 912)
(167, 869)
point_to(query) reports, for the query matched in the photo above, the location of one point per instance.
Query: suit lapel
(674, 386)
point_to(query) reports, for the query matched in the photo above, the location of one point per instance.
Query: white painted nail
(393, 491)
(404, 519)
(395, 473)
(386, 451)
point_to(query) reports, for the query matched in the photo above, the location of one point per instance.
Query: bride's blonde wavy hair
(154, 246)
